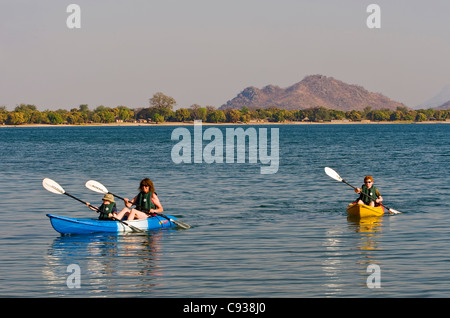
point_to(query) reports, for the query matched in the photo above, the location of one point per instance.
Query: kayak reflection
(120, 265)
(368, 227)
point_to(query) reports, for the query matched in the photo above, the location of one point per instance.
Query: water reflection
(109, 264)
(348, 253)
(368, 227)
(332, 264)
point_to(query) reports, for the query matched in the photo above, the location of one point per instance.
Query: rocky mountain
(312, 91)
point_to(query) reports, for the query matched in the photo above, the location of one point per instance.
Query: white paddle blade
(332, 174)
(96, 186)
(52, 186)
(392, 211)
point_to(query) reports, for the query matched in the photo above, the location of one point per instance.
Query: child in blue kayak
(108, 209)
(369, 194)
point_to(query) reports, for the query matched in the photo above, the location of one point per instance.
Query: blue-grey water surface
(253, 235)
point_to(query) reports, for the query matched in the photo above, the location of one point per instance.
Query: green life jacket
(104, 210)
(144, 202)
(372, 193)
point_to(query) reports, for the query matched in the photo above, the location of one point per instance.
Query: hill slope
(444, 106)
(312, 91)
(436, 101)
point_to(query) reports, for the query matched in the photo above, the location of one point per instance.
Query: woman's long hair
(148, 182)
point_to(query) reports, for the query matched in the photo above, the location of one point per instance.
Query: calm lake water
(253, 235)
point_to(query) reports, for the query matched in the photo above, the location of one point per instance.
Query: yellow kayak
(362, 210)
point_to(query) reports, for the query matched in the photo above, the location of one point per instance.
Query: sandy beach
(190, 123)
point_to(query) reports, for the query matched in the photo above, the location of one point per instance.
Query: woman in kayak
(147, 203)
(107, 210)
(369, 194)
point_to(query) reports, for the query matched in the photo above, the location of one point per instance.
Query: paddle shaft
(69, 195)
(98, 210)
(90, 205)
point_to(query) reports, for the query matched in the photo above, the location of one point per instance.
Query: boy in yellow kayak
(369, 194)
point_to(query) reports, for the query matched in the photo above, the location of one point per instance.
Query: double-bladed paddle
(334, 175)
(100, 188)
(54, 187)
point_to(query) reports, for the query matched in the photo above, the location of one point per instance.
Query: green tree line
(28, 114)
(161, 109)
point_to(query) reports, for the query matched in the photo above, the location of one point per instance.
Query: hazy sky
(207, 51)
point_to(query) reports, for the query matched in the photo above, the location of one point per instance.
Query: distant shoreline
(191, 123)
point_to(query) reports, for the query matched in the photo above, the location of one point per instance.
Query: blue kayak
(66, 225)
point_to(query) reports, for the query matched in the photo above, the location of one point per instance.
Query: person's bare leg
(123, 213)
